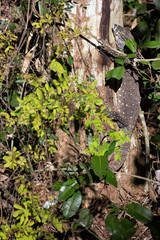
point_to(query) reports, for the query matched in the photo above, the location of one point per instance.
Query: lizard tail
(116, 165)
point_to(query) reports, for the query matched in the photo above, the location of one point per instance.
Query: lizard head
(121, 34)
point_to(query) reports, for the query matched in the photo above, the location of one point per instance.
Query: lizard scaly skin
(128, 99)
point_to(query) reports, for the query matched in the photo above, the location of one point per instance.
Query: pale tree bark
(99, 17)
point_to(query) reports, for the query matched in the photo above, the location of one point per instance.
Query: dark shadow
(114, 84)
(141, 169)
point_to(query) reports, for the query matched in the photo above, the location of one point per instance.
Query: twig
(146, 136)
(91, 232)
(147, 146)
(7, 106)
(146, 60)
(73, 234)
(139, 177)
(103, 46)
(142, 233)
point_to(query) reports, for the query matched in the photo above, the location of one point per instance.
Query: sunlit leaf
(56, 67)
(17, 206)
(111, 149)
(120, 60)
(68, 189)
(117, 73)
(39, 94)
(131, 44)
(57, 224)
(131, 55)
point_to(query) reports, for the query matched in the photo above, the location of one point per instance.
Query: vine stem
(146, 60)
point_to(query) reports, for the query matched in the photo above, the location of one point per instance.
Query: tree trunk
(99, 17)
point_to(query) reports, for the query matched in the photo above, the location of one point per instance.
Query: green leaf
(41, 8)
(9, 165)
(92, 78)
(131, 55)
(88, 123)
(57, 224)
(13, 101)
(121, 229)
(59, 90)
(70, 60)
(131, 44)
(151, 44)
(68, 189)
(111, 178)
(120, 60)
(17, 206)
(114, 209)
(3, 236)
(21, 219)
(17, 213)
(117, 73)
(72, 205)
(141, 8)
(155, 138)
(139, 212)
(99, 165)
(57, 185)
(22, 189)
(85, 167)
(39, 94)
(56, 67)
(111, 221)
(156, 65)
(144, 62)
(85, 218)
(111, 149)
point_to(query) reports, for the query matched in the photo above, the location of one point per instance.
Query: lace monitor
(128, 97)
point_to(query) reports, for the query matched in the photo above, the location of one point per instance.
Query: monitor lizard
(128, 94)
(128, 98)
